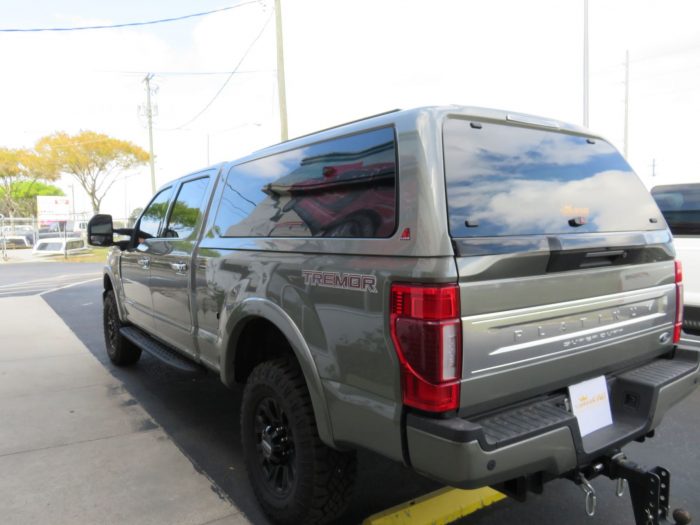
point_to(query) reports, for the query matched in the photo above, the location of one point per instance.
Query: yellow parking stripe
(437, 508)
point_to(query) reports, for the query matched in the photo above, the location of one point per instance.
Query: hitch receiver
(649, 490)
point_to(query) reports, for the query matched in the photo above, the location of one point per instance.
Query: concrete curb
(437, 508)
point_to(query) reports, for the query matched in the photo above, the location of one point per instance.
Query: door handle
(144, 262)
(179, 267)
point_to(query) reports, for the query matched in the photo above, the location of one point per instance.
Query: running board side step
(158, 350)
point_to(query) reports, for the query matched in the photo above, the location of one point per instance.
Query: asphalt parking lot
(200, 416)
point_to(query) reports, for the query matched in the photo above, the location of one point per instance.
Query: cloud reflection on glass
(512, 180)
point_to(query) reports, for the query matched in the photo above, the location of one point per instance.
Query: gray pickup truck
(488, 298)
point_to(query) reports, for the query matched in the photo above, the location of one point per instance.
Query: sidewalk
(75, 448)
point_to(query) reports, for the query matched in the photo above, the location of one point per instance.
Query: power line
(187, 73)
(228, 79)
(212, 132)
(664, 54)
(128, 24)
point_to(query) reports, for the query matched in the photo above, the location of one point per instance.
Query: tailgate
(525, 335)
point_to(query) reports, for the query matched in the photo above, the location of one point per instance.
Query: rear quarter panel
(345, 330)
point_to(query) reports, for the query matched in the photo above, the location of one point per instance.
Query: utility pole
(72, 201)
(149, 116)
(281, 89)
(627, 99)
(3, 244)
(653, 167)
(585, 63)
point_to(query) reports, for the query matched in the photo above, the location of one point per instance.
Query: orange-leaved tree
(94, 159)
(20, 172)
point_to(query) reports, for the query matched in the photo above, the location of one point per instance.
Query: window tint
(187, 210)
(152, 218)
(510, 180)
(344, 187)
(680, 204)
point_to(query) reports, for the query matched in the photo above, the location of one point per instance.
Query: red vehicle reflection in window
(348, 200)
(342, 187)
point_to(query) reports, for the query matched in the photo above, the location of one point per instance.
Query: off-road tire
(120, 350)
(322, 478)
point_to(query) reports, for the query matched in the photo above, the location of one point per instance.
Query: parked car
(60, 246)
(488, 298)
(680, 204)
(18, 236)
(55, 229)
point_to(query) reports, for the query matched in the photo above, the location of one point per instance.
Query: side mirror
(100, 231)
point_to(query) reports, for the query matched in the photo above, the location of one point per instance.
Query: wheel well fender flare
(111, 282)
(271, 312)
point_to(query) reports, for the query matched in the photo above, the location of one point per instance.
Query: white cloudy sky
(344, 60)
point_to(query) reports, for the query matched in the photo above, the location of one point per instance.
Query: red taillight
(427, 333)
(678, 325)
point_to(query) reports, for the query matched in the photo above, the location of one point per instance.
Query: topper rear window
(510, 180)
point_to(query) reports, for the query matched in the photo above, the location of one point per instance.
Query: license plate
(591, 405)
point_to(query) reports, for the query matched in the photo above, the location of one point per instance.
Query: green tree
(94, 159)
(24, 192)
(20, 172)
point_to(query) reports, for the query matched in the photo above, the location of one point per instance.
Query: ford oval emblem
(664, 338)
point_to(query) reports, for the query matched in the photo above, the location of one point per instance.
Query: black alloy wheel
(297, 479)
(275, 446)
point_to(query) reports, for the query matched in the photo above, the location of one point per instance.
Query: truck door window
(187, 210)
(344, 187)
(152, 218)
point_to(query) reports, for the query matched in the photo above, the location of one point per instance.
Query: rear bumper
(543, 436)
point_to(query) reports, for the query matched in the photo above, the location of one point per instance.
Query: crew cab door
(136, 261)
(171, 264)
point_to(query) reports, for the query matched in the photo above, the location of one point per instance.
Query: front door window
(153, 217)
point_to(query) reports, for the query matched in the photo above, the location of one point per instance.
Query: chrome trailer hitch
(649, 490)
